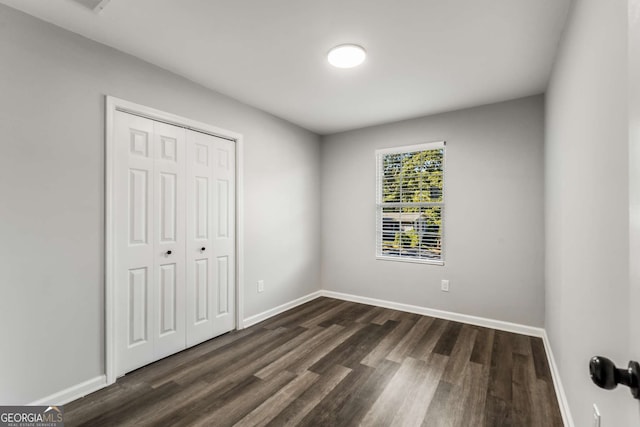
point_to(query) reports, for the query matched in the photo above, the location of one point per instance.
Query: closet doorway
(172, 264)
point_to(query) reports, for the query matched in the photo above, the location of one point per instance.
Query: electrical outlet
(260, 285)
(596, 416)
(444, 286)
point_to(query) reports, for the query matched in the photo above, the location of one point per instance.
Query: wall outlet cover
(444, 285)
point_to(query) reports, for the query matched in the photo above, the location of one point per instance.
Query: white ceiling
(424, 56)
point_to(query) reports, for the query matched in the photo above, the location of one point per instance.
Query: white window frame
(379, 204)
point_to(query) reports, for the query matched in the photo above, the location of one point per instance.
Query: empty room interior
(325, 213)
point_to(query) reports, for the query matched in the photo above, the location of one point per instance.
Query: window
(410, 203)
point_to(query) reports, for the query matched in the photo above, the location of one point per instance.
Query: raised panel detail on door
(223, 285)
(202, 290)
(138, 328)
(168, 207)
(222, 206)
(139, 143)
(223, 158)
(202, 208)
(168, 299)
(168, 148)
(138, 202)
(202, 154)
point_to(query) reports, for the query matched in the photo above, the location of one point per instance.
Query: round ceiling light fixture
(346, 56)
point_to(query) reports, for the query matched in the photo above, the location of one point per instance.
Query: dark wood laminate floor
(335, 363)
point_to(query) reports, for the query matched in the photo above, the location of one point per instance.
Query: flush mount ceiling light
(346, 56)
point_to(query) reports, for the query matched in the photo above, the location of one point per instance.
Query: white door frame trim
(115, 104)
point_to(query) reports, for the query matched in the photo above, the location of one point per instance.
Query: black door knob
(203, 249)
(168, 252)
(606, 375)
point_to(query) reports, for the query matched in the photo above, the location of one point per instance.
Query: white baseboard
(249, 321)
(74, 392)
(441, 314)
(557, 384)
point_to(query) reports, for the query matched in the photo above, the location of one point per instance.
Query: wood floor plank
(337, 363)
(201, 352)
(483, 346)
(382, 316)
(475, 392)
(408, 343)
(369, 315)
(424, 347)
(402, 392)
(521, 344)
(267, 355)
(347, 316)
(387, 344)
(326, 412)
(300, 408)
(438, 413)
(523, 391)
(237, 367)
(448, 338)
(189, 412)
(306, 311)
(270, 408)
(219, 358)
(546, 405)
(107, 400)
(310, 347)
(461, 404)
(540, 359)
(387, 404)
(500, 379)
(130, 407)
(224, 381)
(324, 315)
(204, 401)
(497, 413)
(311, 358)
(161, 407)
(236, 409)
(363, 397)
(353, 349)
(545, 390)
(420, 390)
(460, 355)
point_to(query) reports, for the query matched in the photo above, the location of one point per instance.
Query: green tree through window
(411, 202)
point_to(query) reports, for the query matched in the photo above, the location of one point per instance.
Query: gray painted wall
(587, 208)
(52, 88)
(633, 50)
(493, 213)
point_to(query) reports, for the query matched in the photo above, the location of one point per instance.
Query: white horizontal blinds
(410, 203)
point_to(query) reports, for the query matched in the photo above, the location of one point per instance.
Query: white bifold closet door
(174, 239)
(211, 237)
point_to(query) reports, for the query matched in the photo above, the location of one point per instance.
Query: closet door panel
(210, 237)
(224, 234)
(200, 298)
(134, 242)
(170, 256)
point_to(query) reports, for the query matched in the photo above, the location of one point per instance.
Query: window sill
(411, 260)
